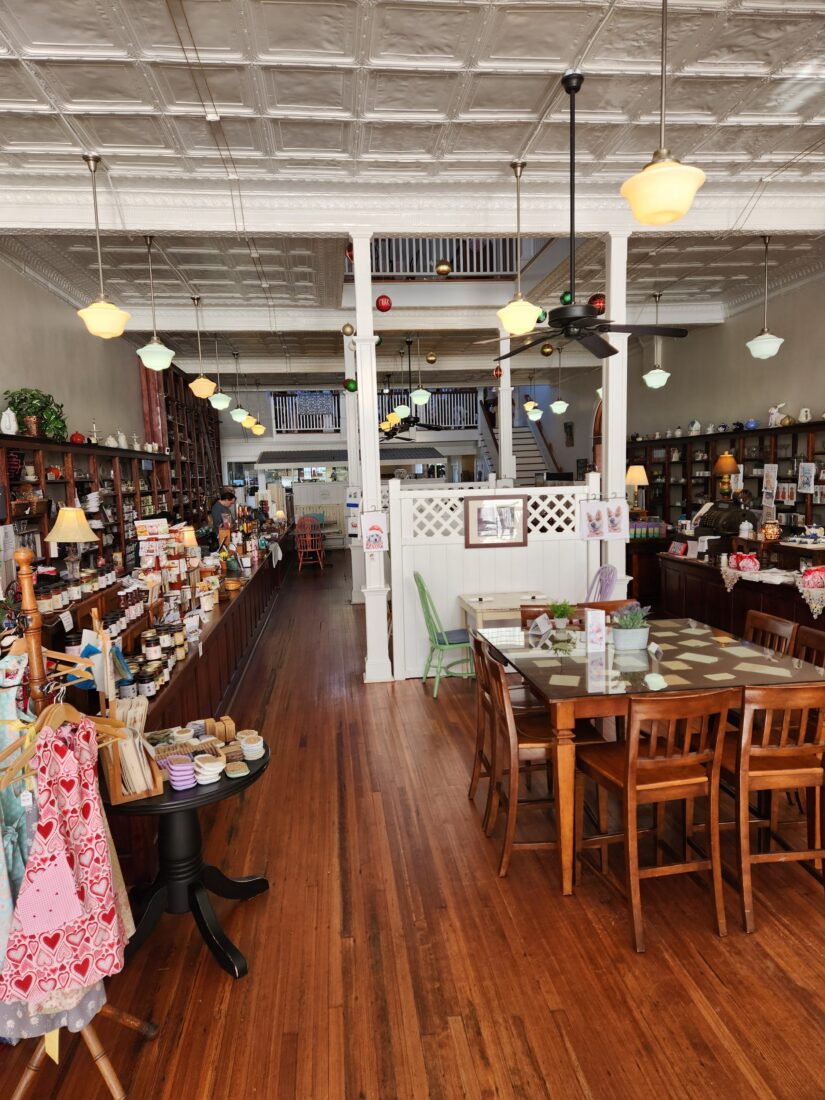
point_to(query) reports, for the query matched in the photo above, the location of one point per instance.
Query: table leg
(240, 889)
(224, 950)
(148, 903)
(564, 776)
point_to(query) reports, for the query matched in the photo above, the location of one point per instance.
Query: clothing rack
(37, 679)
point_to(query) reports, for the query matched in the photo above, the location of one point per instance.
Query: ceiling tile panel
(407, 33)
(213, 26)
(291, 90)
(498, 138)
(243, 136)
(751, 40)
(46, 28)
(286, 29)
(633, 35)
(415, 94)
(35, 132)
(384, 137)
(112, 86)
(227, 87)
(320, 137)
(17, 89)
(546, 36)
(125, 134)
(497, 95)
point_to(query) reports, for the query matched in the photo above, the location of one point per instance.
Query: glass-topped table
(684, 655)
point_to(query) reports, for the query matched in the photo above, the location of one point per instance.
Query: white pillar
(506, 458)
(377, 666)
(353, 467)
(614, 383)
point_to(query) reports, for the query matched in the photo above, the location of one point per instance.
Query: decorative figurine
(804, 416)
(710, 428)
(737, 426)
(135, 444)
(121, 440)
(722, 428)
(694, 427)
(787, 421)
(677, 433)
(8, 423)
(775, 415)
(751, 424)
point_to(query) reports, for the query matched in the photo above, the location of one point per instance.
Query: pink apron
(66, 931)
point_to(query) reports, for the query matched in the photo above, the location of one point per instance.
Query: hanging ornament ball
(431, 357)
(443, 267)
(497, 372)
(599, 302)
(383, 303)
(547, 350)
(378, 341)
(565, 297)
(350, 385)
(542, 317)
(349, 252)
(347, 329)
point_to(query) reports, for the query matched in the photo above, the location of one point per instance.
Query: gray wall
(715, 378)
(46, 346)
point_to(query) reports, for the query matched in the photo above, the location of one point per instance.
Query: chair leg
(815, 820)
(426, 672)
(493, 794)
(481, 740)
(101, 1060)
(578, 827)
(605, 848)
(512, 814)
(716, 857)
(439, 662)
(528, 775)
(743, 852)
(31, 1071)
(631, 862)
(659, 829)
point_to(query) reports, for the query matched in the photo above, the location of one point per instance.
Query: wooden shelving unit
(190, 428)
(680, 470)
(131, 483)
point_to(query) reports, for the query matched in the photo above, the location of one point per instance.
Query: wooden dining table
(683, 655)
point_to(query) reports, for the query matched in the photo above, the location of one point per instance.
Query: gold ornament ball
(443, 267)
(347, 329)
(431, 357)
(547, 350)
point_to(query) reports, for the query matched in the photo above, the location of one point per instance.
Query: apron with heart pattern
(66, 930)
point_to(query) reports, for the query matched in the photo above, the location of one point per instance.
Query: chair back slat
(810, 646)
(788, 719)
(503, 719)
(480, 664)
(770, 631)
(603, 583)
(679, 730)
(435, 631)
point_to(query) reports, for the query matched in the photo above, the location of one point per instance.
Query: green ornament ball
(350, 385)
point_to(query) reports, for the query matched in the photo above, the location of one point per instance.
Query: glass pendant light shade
(248, 421)
(239, 414)
(202, 386)
(393, 418)
(656, 378)
(529, 404)
(402, 411)
(663, 192)
(559, 406)
(765, 345)
(385, 425)
(220, 400)
(518, 317)
(420, 396)
(599, 393)
(104, 319)
(258, 429)
(155, 355)
(534, 414)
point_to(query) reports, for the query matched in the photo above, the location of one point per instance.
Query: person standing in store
(222, 511)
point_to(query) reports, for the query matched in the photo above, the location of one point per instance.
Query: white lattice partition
(427, 536)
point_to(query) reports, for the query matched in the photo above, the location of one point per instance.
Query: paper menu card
(595, 630)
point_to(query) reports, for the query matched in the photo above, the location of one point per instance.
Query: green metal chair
(442, 641)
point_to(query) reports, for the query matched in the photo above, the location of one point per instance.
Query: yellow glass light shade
(280, 515)
(155, 355)
(104, 319)
(529, 404)
(202, 386)
(519, 316)
(71, 525)
(662, 192)
(258, 429)
(385, 425)
(220, 400)
(636, 475)
(248, 421)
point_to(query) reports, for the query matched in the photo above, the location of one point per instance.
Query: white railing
(307, 411)
(455, 409)
(470, 257)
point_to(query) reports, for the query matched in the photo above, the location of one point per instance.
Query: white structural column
(353, 466)
(375, 589)
(506, 457)
(614, 383)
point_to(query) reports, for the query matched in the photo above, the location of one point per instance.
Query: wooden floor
(388, 960)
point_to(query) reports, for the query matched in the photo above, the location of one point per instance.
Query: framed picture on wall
(495, 521)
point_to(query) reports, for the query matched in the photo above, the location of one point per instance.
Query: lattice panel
(438, 517)
(551, 514)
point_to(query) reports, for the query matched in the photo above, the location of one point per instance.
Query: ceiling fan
(409, 420)
(580, 321)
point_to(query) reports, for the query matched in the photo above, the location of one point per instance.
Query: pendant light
(657, 376)
(420, 396)
(238, 414)
(154, 355)
(219, 400)
(559, 406)
(529, 404)
(401, 410)
(664, 189)
(599, 393)
(257, 427)
(765, 345)
(102, 318)
(519, 316)
(201, 386)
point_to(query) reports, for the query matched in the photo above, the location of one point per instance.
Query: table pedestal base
(181, 887)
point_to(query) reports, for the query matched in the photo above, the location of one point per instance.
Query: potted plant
(38, 412)
(631, 629)
(562, 613)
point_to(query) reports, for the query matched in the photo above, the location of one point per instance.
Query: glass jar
(45, 603)
(180, 651)
(166, 637)
(150, 644)
(74, 590)
(86, 582)
(127, 689)
(73, 643)
(146, 684)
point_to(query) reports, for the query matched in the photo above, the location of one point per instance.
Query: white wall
(46, 346)
(714, 377)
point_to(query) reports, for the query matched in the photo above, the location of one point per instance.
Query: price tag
(67, 620)
(26, 800)
(200, 649)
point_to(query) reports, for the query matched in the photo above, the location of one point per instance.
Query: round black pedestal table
(183, 881)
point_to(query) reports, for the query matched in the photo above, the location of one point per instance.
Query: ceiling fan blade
(596, 345)
(523, 347)
(491, 340)
(645, 330)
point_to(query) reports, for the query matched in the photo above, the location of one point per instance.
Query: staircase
(531, 466)
(529, 462)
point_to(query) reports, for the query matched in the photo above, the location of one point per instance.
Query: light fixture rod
(235, 356)
(92, 161)
(149, 239)
(573, 198)
(662, 90)
(196, 299)
(217, 363)
(518, 168)
(767, 241)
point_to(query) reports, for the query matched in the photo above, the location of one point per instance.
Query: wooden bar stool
(672, 752)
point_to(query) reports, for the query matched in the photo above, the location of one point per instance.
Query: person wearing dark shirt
(222, 509)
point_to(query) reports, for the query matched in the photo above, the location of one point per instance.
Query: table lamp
(72, 527)
(725, 465)
(635, 476)
(189, 537)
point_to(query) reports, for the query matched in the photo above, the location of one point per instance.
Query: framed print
(592, 519)
(495, 521)
(618, 520)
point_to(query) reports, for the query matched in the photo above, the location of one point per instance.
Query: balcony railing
(307, 411)
(456, 409)
(470, 257)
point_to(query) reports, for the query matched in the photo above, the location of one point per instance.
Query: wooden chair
(523, 702)
(518, 740)
(672, 752)
(770, 631)
(309, 542)
(779, 747)
(442, 641)
(809, 645)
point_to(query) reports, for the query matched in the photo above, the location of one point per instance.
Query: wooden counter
(642, 564)
(694, 589)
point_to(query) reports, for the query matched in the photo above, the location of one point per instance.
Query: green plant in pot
(631, 629)
(562, 613)
(37, 413)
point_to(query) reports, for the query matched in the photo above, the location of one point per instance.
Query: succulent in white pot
(631, 629)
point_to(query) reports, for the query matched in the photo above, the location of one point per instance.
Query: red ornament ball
(497, 372)
(350, 385)
(349, 251)
(383, 303)
(599, 302)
